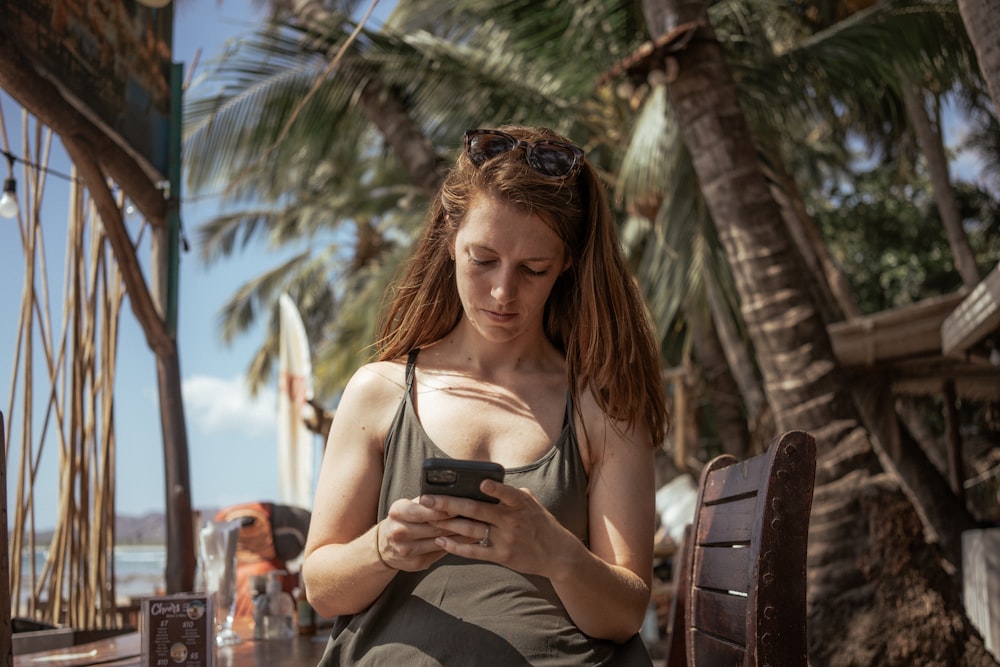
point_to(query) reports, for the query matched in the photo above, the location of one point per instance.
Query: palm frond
(647, 164)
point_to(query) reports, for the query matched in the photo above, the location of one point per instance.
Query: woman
(515, 336)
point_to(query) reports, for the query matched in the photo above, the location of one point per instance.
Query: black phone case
(458, 477)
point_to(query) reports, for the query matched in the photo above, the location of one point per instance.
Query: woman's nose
(504, 287)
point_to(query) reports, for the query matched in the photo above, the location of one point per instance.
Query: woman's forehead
(497, 225)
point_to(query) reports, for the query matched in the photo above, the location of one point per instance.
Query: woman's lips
(498, 316)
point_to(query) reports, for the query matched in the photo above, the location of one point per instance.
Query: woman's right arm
(342, 568)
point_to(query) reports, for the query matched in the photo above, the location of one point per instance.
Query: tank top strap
(411, 364)
(568, 416)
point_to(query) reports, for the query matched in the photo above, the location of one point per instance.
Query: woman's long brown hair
(594, 315)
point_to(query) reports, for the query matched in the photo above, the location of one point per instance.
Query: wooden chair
(744, 602)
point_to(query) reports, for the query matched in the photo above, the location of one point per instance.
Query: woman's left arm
(606, 589)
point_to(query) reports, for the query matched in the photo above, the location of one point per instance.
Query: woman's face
(506, 262)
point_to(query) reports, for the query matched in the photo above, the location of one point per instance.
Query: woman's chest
(514, 426)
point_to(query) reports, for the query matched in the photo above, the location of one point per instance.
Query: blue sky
(232, 437)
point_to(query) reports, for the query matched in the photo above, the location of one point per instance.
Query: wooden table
(124, 651)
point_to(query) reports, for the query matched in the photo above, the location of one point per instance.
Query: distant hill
(147, 529)
(135, 530)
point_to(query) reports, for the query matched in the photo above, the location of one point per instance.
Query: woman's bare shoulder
(376, 382)
(601, 431)
(371, 397)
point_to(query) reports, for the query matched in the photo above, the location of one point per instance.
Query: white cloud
(220, 406)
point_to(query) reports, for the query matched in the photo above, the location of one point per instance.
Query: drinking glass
(217, 551)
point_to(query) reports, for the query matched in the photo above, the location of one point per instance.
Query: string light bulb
(8, 203)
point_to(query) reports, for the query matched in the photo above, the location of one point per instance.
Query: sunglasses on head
(552, 159)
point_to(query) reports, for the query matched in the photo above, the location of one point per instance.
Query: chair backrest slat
(728, 524)
(724, 614)
(722, 569)
(730, 478)
(713, 651)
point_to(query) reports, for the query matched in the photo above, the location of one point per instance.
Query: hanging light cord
(11, 159)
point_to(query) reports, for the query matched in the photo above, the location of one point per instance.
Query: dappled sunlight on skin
(618, 537)
(448, 381)
(593, 445)
(525, 432)
(496, 398)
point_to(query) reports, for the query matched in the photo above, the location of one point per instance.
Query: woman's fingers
(455, 506)
(463, 529)
(406, 537)
(517, 532)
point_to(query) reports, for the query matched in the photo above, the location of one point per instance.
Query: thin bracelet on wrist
(378, 549)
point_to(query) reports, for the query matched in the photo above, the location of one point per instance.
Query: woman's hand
(518, 532)
(406, 538)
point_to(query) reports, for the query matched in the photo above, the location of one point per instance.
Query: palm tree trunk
(877, 591)
(740, 363)
(415, 152)
(835, 289)
(719, 386)
(932, 146)
(387, 112)
(982, 22)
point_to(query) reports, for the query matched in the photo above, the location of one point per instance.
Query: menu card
(178, 630)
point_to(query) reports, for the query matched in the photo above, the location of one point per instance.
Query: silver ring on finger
(485, 542)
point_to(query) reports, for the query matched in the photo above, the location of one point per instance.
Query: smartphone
(459, 477)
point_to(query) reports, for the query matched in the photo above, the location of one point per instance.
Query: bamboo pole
(6, 628)
(76, 582)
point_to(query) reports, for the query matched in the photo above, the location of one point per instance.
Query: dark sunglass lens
(482, 147)
(552, 160)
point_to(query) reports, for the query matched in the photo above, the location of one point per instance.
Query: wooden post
(954, 441)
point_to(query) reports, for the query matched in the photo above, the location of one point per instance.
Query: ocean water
(139, 570)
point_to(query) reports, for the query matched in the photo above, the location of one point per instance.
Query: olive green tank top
(469, 613)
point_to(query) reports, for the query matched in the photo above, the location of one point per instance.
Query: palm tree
(866, 567)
